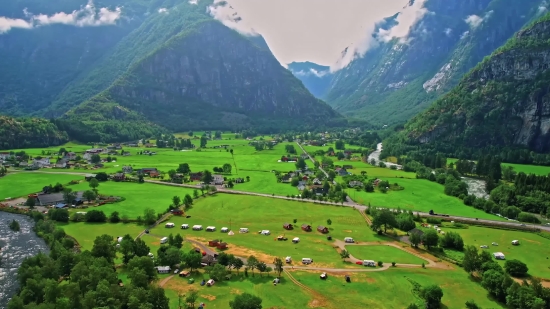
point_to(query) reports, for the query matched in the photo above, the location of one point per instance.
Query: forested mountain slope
(209, 76)
(503, 102)
(29, 132)
(395, 80)
(118, 70)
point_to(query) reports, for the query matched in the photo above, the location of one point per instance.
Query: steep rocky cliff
(399, 78)
(503, 101)
(209, 76)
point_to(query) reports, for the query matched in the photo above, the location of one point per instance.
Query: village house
(148, 170)
(70, 156)
(355, 183)
(301, 185)
(95, 150)
(4, 155)
(322, 229)
(87, 156)
(217, 180)
(342, 172)
(61, 163)
(319, 191)
(127, 169)
(317, 181)
(208, 260)
(306, 227)
(57, 198)
(304, 156)
(195, 176)
(288, 226)
(42, 162)
(119, 177)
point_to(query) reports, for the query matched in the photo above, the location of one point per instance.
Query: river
(16, 246)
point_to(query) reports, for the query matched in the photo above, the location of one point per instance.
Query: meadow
(386, 254)
(86, 233)
(137, 197)
(21, 184)
(526, 168)
(392, 288)
(533, 250)
(257, 213)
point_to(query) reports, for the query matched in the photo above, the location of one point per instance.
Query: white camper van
(164, 240)
(210, 228)
(243, 230)
(307, 261)
(184, 226)
(369, 263)
(197, 227)
(288, 259)
(265, 232)
(169, 225)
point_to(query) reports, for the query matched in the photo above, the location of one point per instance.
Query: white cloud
(474, 21)
(312, 72)
(163, 10)
(543, 7)
(225, 13)
(465, 34)
(448, 31)
(193, 1)
(405, 20)
(87, 16)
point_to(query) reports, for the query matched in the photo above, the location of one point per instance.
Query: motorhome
(169, 225)
(184, 226)
(307, 261)
(164, 240)
(197, 227)
(210, 228)
(369, 263)
(243, 230)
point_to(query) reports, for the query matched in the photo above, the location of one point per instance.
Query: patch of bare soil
(179, 286)
(236, 291)
(245, 252)
(209, 297)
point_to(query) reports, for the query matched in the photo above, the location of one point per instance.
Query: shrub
(433, 220)
(516, 268)
(393, 264)
(380, 263)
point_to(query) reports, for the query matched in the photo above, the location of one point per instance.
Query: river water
(16, 246)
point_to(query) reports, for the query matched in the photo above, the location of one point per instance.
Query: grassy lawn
(526, 168)
(419, 195)
(219, 295)
(138, 197)
(391, 289)
(21, 184)
(86, 233)
(533, 250)
(257, 213)
(386, 254)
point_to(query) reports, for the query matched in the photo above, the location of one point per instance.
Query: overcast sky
(314, 30)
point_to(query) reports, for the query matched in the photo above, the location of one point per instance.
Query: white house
(87, 156)
(499, 255)
(4, 155)
(163, 269)
(42, 162)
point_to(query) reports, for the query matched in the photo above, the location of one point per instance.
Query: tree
(178, 241)
(192, 259)
(329, 222)
(261, 267)
(516, 268)
(204, 140)
(227, 168)
(195, 193)
(247, 178)
(339, 145)
(278, 266)
(176, 200)
(301, 164)
(184, 168)
(237, 264)
(246, 301)
(290, 149)
(127, 248)
(191, 298)
(149, 216)
(30, 202)
(415, 239)
(430, 238)
(188, 200)
(89, 195)
(432, 295)
(471, 261)
(207, 177)
(104, 247)
(344, 254)
(95, 159)
(145, 264)
(14, 226)
(94, 183)
(218, 272)
(114, 217)
(384, 218)
(95, 216)
(405, 222)
(452, 240)
(68, 195)
(251, 263)
(172, 173)
(472, 305)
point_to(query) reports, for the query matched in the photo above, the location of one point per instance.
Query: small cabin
(177, 212)
(222, 245)
(306, 227)
(322, 229)
(213, 243)
(169, 225)
(288, 226)
(163, 269)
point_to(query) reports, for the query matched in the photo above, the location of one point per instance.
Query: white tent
(295, 240)
(230, 233)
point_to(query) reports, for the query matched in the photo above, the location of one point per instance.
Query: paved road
(347, 204)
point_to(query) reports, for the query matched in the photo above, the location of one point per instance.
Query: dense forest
(18, 133)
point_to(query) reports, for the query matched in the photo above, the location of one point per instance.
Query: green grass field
(138, 197)
(256, 213)
(391, 289)
(86, 233)
(419, 195)
(386, 254)
(526, 168)
(533, 250)
(21, 184)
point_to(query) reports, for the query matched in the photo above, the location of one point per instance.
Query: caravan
(169, 225)
(307, 261)
(369, 263)
(197, 227)
(164, 240)
(184, 226)
(243, 230)
(210, 228)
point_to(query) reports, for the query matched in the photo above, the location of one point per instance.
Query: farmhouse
(288, 226)
(417, 232)
(217, 180)
(41, 163)
(119, 177)
(222, 246)
(195, 176)
(306, 227)
(163, 269)
(56, 198)
(322, 229)
(213, 243)
(127, 169)
(148, 170)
